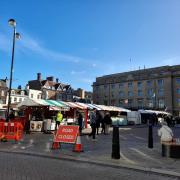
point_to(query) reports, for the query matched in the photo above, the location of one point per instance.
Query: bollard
(150, 136)
(115, 143)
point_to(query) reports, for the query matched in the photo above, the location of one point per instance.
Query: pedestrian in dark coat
(98, 121)
(80, 122)
(108, 122)
(93, 123)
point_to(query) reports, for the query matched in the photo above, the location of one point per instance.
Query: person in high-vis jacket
(59, 119)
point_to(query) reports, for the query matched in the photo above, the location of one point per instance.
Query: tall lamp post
(16, 35)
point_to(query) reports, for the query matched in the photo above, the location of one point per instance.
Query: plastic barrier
(11, 131)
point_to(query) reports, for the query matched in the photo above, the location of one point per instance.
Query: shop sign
(66, 134)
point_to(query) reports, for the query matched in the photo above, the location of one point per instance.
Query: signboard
(66, 134)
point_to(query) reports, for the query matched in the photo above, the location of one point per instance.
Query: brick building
(51, 89)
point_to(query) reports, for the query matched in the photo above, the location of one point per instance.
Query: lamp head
(18, 36)
(12, 22)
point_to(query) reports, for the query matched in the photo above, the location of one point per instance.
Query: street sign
(66, 134)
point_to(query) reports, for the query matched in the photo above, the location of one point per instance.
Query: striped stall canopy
(54, 105)
(93, 106)
(58, 104)
(86, 106)
(73, 105)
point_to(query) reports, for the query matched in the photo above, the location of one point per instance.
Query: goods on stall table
(36, 126)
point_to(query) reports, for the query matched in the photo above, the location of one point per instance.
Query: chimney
(50, 78)
(39, 76)
(19, 87)
(57, 80)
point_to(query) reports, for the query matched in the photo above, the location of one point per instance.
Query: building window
(130, 102)
(121, 103)
(150, 103)
(69, 97)
(178, 90)
(97, 88)
(121, 85)
(105, 102)
(161, 103)
(31, 95)
(105, 87)
(160, 82)
(149, 83)
(178, 81)
(12, 92)
(15, 99)
(130, 94)
(130, 85)
(112, 95)
(150, 92)
(140, 103)
(22, 92)
(112, 86)
(139, 93)
(112, 102)
(139, 84)
(60, 96)
(20, 99)
(121, 94)
(178, 102)
(2, 93)
(161, 92)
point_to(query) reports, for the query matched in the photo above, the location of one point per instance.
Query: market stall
(72, 113)
(40, 114)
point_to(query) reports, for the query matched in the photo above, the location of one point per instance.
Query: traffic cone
(55, 145)
(78, 145)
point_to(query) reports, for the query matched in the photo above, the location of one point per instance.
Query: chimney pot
(39, 76)
(50, 78)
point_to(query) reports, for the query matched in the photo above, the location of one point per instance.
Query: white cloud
(171, 61)
(87, 80)
(5, 44)
(94, 65)
(77, 72)
(29, 44)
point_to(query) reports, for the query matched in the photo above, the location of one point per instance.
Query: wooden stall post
(86, 118)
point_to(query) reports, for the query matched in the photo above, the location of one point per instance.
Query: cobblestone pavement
(23, 167)
(133, 145)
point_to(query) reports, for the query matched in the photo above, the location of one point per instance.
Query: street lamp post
(16, 35)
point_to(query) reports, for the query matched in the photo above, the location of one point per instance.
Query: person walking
(102, 126)
(80, 122)
(98, 121)
(93, 124)
(59, 119)
(165, 133)
(107, 122)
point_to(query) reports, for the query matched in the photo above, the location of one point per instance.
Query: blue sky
(79, 40)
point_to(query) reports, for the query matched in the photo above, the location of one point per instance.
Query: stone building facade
(154, 88)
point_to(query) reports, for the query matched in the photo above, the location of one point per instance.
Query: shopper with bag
(165, 133)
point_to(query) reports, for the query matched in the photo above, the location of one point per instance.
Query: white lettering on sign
(66, 137)
(67, 130)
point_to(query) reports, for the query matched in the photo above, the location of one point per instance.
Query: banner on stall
(66, 134)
